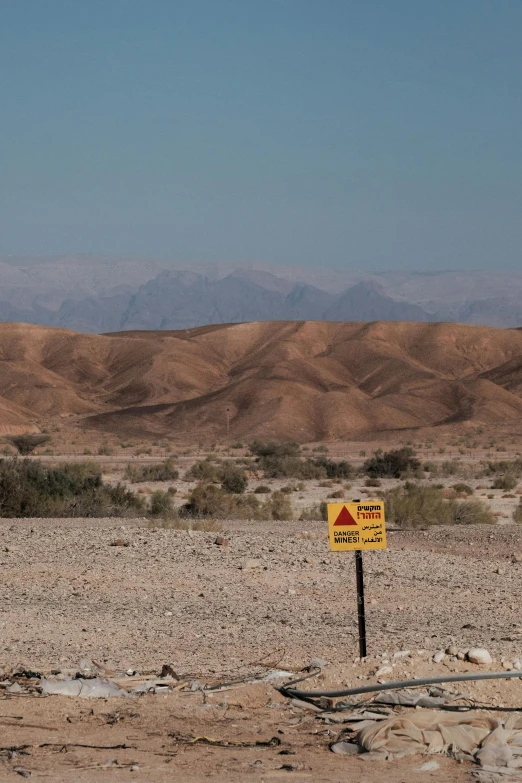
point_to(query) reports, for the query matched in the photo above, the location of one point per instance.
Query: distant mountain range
(97, 294)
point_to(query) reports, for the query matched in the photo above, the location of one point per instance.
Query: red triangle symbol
(344, 518)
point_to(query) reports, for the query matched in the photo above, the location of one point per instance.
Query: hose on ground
(293, 693)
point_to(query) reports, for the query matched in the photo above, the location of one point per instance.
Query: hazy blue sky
(360, 133)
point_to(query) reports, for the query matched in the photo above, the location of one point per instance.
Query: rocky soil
(232, 605)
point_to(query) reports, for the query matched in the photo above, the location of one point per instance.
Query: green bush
(391, 464)
(161, 504)
(262, 489)
(233, 479)
(416, 506)
(204, 470)
(30, 489)
(209, 500)
(333, 469)
(26, 444)
(162, 471)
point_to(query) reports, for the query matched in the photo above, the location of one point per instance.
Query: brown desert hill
(305, 380)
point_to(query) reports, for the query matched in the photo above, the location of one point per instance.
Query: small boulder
(439, 656)
(221, 541)
(250, 563)
(479, 656)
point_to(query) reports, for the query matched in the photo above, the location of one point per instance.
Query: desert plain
(229, 609)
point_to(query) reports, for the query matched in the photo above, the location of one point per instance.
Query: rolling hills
(303, 380)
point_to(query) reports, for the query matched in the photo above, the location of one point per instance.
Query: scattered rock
(221, 541)
(318, 663)
(480, 656)
(452, 650)
(119, 542)
(383, 670)
(439, 656)
(345, 748)
(250, 564)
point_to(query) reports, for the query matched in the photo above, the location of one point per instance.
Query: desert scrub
(30, 489)
(505, 482)
(415, 506)
(314, 513)
(283, 460)
(233, 479)
(463, 489)
(517, 513)
(210, 500)
(26, 444)
(391, 464)
(162, 471)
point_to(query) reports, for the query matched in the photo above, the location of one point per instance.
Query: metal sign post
(354, 527)
(360, 602)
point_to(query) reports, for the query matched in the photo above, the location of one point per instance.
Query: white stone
(402, 654)
(439, 656)
(517, 664)
(383, 670)
(480, 656)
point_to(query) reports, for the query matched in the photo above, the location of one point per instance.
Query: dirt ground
(272, 596)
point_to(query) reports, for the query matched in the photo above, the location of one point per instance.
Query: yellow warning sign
(357, 525)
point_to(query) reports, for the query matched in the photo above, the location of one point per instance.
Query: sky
(364, 134)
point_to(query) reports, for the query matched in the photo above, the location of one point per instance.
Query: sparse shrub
(237, 445)
(209, 500)
(26, 444)
(262, 489)
(463, 489)
(337, 494)
(286, 490)
(279, 507)
(449, 468)
(233, 479)
(334, 470)
(506, 482)
(161, 504)
(472, 512)
(105, 450)
(391, 464)
(517, 513)
(288, 449)
(313, 513)
(162, 471)
(372, 482)
(203, 470)
(30, 489)
(505, 467)
(414, 506)
(322, 449)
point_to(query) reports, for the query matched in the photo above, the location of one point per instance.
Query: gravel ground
(177, 597)
(274, 593)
